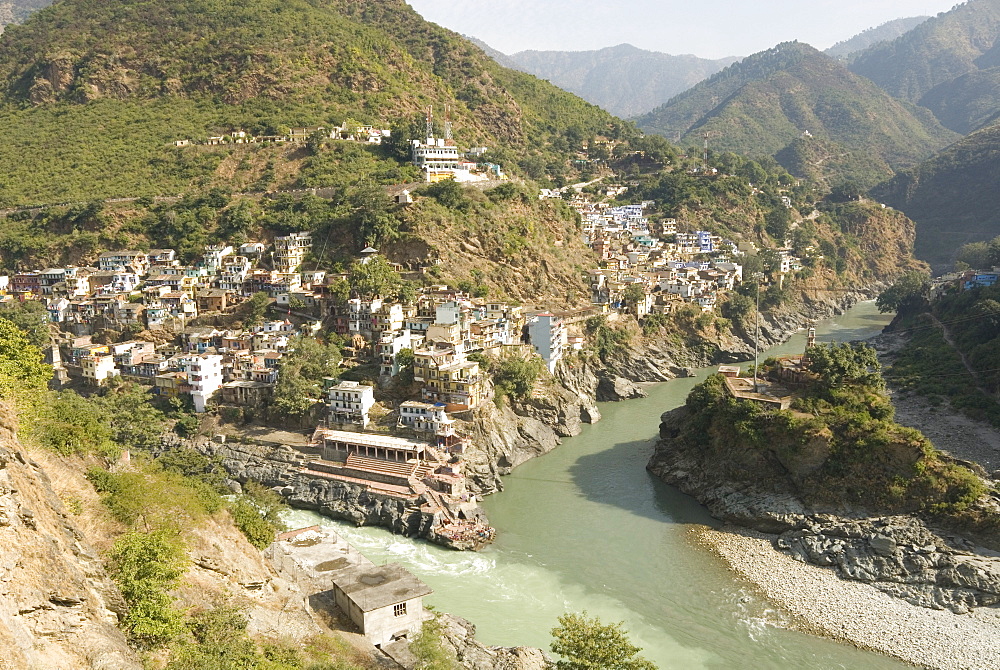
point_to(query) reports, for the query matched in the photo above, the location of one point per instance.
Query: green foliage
(374, 278)
(152, 499)
(845, 363)
(146, 566)
(255, 308)
(605, 340)
(135, 422)
(300, 375)
(515, 377)
(906, 295)
(23, 376)
(429, 649)
(404, 359)
(257, 513)
(839, 447)
(770, 97)
(585, 643)
(71, 424)
(31, 317)
(654, 323)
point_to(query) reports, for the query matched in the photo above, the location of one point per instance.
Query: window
(399, 610)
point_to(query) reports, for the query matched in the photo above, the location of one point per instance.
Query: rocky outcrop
(458, 636)
(898, 555)
(58, 607)
(901, 556)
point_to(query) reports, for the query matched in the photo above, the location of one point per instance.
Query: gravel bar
(821, 603)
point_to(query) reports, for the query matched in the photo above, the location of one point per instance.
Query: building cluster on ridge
(670, 266)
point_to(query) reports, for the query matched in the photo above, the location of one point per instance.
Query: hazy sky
(707, 29)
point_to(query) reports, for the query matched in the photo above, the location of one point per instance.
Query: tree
(31, 317)
(588, 644)
(633, 295)
(256, 307)
(844, 363)
(371, 207)
(315, 141)
(906, 295)
(23, 376)
(404, 359)
(374, 278)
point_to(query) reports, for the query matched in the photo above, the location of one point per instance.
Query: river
(587, 528)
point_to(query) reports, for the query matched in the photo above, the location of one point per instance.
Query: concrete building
(385, 602)
(290, 250)
(547, 335)
(97, 369)
(350, 402)
(204, 377)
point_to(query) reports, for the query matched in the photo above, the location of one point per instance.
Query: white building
(350, 402)
(96, 369)
(204, 376)
(547, 334)
(290, 251)
(424, 416)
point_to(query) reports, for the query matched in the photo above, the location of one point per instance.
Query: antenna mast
(447, 123)
(430, 123)
(706, 150)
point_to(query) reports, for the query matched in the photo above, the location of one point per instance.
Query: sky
(708, 29)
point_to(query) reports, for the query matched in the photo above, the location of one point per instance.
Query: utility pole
(756, 338)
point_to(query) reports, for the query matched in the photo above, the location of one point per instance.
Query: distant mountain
(624, 80)
(952, 197)
(16, 11)
(883, 33)
(925, 64)
(763, 104)
(500, 57)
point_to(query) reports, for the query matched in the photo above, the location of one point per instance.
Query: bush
(515, 377)
(146, 566)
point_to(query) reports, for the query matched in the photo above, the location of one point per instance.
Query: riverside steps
(411, 487)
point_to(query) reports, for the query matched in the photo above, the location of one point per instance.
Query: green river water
(587, 528)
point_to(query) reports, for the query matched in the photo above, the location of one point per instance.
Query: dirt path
(965, 361)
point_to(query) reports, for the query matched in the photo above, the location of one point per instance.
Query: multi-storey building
(350, 402)
(290, 251)
(547, 335)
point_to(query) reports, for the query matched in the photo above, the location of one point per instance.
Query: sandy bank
(821, 603)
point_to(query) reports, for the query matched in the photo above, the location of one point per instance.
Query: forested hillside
(952, 197)
(946, 46)
(769, 100)
(115, 83)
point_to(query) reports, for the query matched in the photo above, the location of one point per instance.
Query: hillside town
(214, 334)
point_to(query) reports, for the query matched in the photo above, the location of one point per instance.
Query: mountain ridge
(769, 100)
(623, 79)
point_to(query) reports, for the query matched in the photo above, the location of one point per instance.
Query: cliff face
(58, 607)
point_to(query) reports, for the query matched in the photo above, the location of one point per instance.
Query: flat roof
(371, 440)
(372, 588)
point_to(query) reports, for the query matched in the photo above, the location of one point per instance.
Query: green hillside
(942, 48)
(952, 197)
(105, 88)
(769, 100)
(966, 103)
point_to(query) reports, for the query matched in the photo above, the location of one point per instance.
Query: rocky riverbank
(898, 555)
(821, 603)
